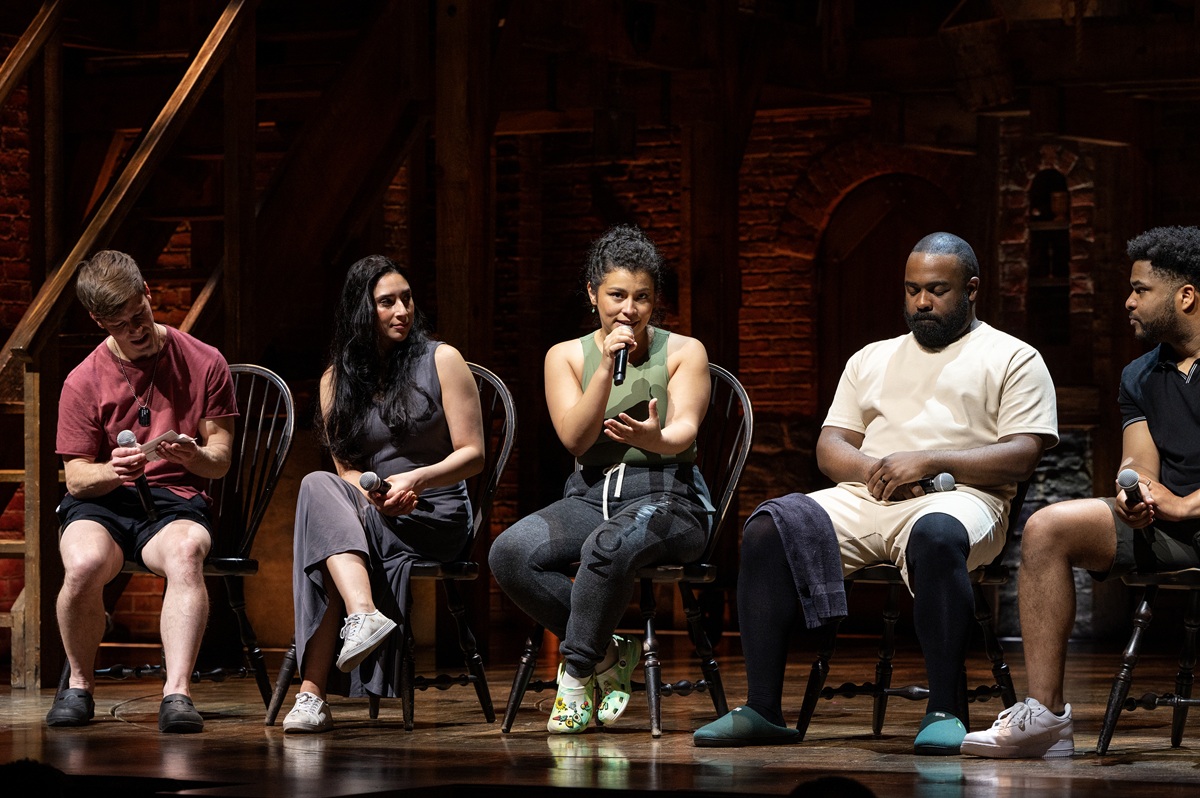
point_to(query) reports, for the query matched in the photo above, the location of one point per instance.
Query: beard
(937, 332)
(1162, 326)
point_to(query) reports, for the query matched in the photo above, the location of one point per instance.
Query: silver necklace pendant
(144, 416)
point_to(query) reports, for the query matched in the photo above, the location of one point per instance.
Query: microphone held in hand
(621, 362)
(373, 483)
(619, 366)
(941, 483)
(127, 440)
(1127, 480)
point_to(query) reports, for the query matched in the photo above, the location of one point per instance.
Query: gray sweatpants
(662, 514)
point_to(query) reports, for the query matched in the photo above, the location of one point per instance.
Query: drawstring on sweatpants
(620, 469)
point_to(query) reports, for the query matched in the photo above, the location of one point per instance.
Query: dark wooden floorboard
(453, 752)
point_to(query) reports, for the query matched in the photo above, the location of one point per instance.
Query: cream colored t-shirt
(977, 390)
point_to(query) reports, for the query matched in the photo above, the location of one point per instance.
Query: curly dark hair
(1173, 252)
(623, 247)
(364, 379)
(950, 244)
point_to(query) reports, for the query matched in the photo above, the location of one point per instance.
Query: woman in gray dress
(396, 403)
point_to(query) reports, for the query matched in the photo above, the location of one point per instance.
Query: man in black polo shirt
(1160, 406)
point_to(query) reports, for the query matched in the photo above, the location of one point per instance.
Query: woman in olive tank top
(637, 498)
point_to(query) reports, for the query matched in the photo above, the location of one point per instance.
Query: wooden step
(18, 475)
(12, 549)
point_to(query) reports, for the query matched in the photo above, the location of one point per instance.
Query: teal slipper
(941, 734)
(743, 726)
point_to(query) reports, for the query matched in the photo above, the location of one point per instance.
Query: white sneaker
(362, 633)
(311, 715)
(1025, 731)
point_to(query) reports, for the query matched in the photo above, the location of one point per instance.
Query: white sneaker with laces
(311, 715)
(363, 631)
(1025, 731)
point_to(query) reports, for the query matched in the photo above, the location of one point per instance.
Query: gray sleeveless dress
(332, 516)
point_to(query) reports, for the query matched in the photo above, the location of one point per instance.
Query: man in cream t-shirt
(953, 396)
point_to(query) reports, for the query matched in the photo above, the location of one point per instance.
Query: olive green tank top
(642, 383)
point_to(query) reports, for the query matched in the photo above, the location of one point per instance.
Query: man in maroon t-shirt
(122, 503)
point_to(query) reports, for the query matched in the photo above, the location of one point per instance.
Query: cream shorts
(871, 531)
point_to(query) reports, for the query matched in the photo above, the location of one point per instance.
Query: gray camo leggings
(661, 515)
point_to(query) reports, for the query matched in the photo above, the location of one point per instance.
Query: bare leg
(349, 574)
(348, 585)
(177, 552)
(1078, 534)
(91, 558)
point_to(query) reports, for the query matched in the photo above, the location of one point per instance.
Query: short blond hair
(108, 280)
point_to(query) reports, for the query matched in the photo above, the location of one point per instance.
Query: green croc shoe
(573, 706)
(615, 684)
(740, 727)
(941, 734)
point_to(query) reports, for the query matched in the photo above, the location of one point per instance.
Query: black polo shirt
(1153, 390)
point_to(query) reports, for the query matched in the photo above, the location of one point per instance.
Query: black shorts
(121, 513)
(1162, 546)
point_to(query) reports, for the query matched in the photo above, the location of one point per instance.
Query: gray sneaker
(311, 715)
(1027, 730)
(362, 633)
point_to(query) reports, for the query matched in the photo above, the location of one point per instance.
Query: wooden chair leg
(704, 649)
(651, 665)
(995, 653)
(525, 668)
(1187, 668)
(818, 675)
(287, 671)
(887, 651)
(407, 673)
(235, 587)
(470, 650)
(1124, 678)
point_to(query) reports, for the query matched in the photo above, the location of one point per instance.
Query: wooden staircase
(232, 153)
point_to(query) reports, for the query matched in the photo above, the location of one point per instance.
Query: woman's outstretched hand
(641, 434)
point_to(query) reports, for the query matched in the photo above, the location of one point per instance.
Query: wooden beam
(46, 228)
(239, 286)
(464, 175)
(463, 190)
(26, 50)
(41, 648)
(714, 139)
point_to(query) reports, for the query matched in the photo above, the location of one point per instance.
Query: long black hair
(364, 377)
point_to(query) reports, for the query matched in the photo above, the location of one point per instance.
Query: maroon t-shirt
(191, 382)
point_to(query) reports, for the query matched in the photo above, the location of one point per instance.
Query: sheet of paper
(170, 436)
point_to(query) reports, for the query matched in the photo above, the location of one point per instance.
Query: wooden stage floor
(453, 752)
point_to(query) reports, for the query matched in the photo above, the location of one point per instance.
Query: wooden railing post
(40, 650)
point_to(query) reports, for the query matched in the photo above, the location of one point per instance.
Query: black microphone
(1128, 481)
(373, 483)
(939, 484)
(127, 440)
(622, 360)
(620, 363)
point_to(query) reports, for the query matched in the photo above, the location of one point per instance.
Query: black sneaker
(72, 707)
(177, 715)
